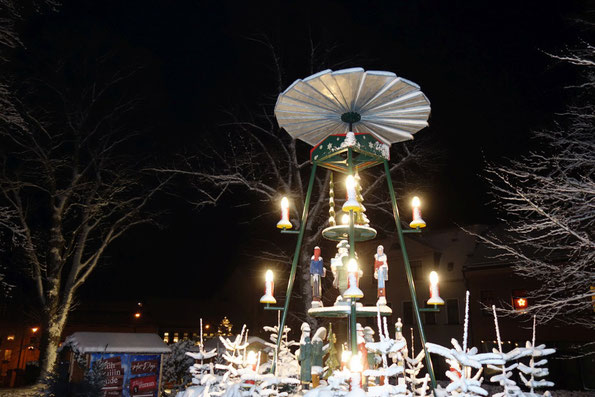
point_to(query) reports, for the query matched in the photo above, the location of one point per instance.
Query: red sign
(144, 367)
(143, 386)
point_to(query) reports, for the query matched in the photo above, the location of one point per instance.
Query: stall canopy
(115, 342)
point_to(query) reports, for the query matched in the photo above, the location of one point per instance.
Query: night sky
(481, 64)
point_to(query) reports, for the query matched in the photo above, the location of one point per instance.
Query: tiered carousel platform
(345, 310)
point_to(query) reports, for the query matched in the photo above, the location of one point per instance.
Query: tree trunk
(50, 340)
(52, 327)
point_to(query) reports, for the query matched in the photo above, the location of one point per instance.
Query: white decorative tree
(418, 386)
(385, 347)
(503, 378)
(287, 364)
(463, 361)
(235, 355)
(535, 369)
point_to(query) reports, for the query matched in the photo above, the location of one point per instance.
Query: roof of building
(116, 342)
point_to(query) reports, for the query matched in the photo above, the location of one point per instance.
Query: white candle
(417, 221)
(268, 296)
(435, 298)
(351, 204)
(356, 368)
(284, 223)
(353, 290)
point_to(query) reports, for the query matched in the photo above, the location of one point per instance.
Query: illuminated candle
(417, 221)
(251, 361)
(268, 288)
(353, 290)
(284, 223)
(345, 356)
(356, 368)
(435, 298)
(351, 204)
(345, 219)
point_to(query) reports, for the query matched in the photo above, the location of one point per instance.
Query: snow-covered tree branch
(547, 200)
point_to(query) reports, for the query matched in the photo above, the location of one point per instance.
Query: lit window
(185, 335)
(7, 354)
(176, 337)
(166, 337)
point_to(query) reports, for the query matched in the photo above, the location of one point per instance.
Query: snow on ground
(28, 391)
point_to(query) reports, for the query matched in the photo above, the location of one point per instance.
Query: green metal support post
(422, 335)
(296, 258)
(353, 301)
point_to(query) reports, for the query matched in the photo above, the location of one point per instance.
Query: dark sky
(480, 64)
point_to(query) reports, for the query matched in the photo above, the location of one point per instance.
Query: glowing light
(251, 359)
(351, 204)
(207, 326)
(433, 278)
(345, 356)
(521, 302)
(352, 265)
(284, 223)
(350, 182)
(345, 219)
(353, 290)
(284, 203)
(435, 298)
(416, 202)
(417, 222)
(34, 329)
(355, 364)
(137, 315)
(268, 288)
(10, 337)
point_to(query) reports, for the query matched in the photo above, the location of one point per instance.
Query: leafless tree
(254, 155)
(548, 201)
(11, 15)
(71, 182)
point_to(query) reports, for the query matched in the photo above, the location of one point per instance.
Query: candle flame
(350, 182)
(268, 276)
(416, 202)
(355, 364)
(284, 203)
(345, 219)
(433, 278)
(352, 265)
(345, 355)
(251, 359)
